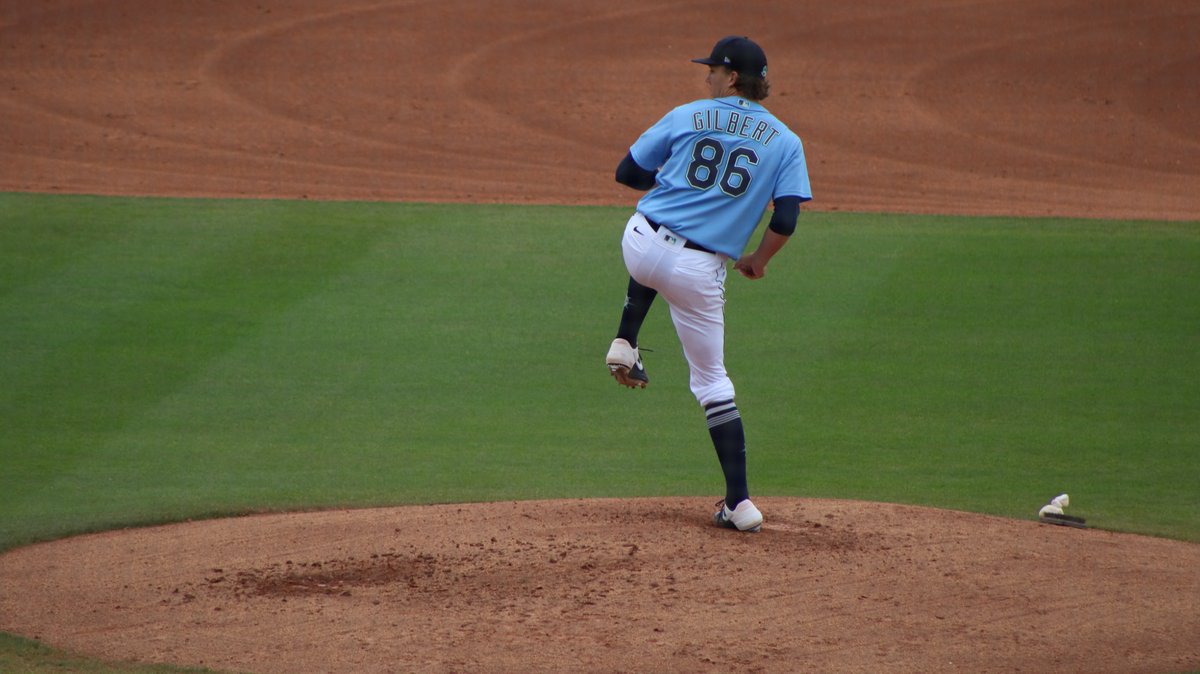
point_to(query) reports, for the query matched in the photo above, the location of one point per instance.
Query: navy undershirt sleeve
(783, 220)
(629, 173)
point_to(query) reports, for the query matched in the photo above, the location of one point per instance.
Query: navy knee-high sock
(637, 304)
(729, 439)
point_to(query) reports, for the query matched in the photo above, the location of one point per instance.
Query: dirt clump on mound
(615, 585)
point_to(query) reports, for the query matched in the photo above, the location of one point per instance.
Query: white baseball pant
(693, 284)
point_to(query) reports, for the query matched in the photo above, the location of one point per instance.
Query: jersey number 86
(707, 157)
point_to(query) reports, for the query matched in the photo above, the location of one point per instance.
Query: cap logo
(727, 60)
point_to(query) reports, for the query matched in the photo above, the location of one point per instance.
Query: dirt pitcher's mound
(615, 585)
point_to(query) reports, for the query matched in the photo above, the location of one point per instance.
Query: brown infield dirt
(1083, 108)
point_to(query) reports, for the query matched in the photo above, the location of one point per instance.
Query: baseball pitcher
(710, 168)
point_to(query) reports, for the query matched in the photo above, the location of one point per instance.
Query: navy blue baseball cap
(738, 53)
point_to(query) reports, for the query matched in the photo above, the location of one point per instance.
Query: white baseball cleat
(745, 517)
(625, 364)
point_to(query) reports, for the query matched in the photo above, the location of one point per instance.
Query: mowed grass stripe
(131, 310)
(184, 358)
(301, 355)
(1002, 359)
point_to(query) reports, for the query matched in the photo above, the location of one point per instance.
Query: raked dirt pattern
(1072, 108)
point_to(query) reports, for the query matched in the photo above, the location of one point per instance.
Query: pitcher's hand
(750, 267)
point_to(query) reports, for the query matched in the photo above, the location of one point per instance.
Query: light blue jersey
(720, 162)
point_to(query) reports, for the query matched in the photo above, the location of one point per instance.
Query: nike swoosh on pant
(638, 230)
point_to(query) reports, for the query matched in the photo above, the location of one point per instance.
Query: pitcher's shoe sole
(625, 364)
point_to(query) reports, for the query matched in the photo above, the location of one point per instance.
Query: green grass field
(165, 359)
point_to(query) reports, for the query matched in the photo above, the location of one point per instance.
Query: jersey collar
(739, 102)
